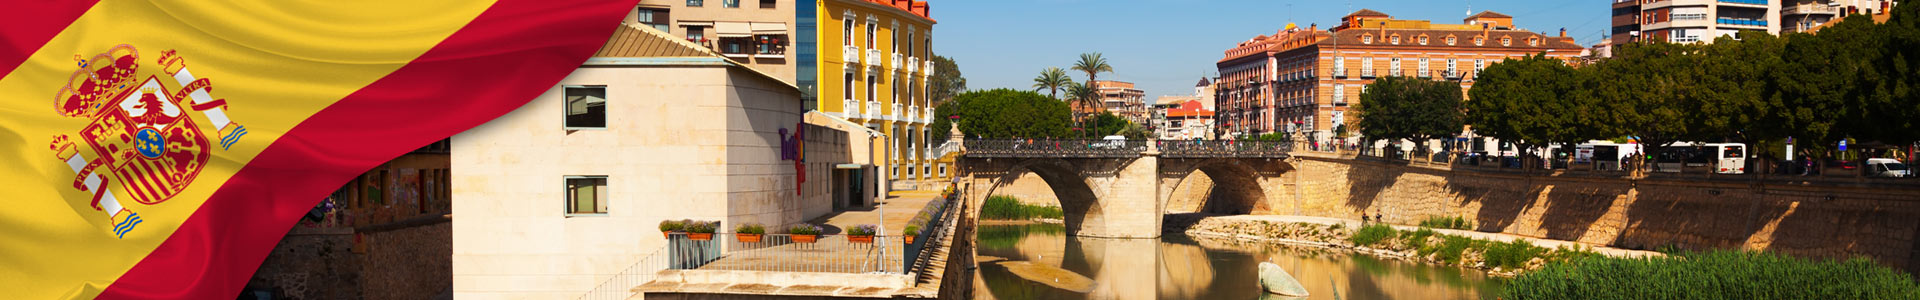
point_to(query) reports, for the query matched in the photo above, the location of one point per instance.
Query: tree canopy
(1396, 107)
(946, 81)
(1003, 113)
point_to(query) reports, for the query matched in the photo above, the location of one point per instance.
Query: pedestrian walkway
(1498, 237)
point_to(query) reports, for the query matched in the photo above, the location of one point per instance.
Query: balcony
(893, 64)
(1754, 3)
(873, 58)
(873, 110)
(895, 113)
(1339, 73)
(928, 113)
(850, 108)
(1810, 9)
(928, 70)
(1741, 22)
(1424, 73)
(1451, 74)
(913, 114)
(1366, 73)
(913, 65)
(849, 54)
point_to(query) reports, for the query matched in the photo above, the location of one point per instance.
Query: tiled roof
(631, 40)
(1191, 108)
(1368, 12)
(1489, 14)
(1203, 82)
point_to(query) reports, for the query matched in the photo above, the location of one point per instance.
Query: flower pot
(748, 237)
(700, 236)
(805, 238)
(667, 234)
(863, 239)
(909, 240)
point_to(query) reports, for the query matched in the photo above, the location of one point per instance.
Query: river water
(1040, 261)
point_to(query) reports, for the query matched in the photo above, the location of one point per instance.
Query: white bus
(1729, 158)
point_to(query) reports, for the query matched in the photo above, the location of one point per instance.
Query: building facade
(1688, 21)
(756, 33)
(871, 66)
(1121, 98)
(1187, 120)
(562, 193)
(1805, 15)
(1305, 80)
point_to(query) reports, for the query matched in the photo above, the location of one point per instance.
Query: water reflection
(1179, 267)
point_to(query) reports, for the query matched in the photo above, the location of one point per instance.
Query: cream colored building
(559, 195)
(756, 33)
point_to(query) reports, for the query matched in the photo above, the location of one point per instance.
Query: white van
(1111, 142)
(1887, 167)
(1729, 158)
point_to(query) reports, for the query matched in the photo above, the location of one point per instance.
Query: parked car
(1887, 167)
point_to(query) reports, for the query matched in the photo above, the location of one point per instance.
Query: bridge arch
(1234, 185)
(1070, 184)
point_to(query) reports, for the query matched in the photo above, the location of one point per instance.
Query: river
(1040, 261)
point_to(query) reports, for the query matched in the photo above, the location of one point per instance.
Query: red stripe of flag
(30, 24)
(511, 53)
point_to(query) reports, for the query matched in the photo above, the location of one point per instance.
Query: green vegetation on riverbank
(1446, 223)
(1450, 249)
(1001, 207)
(1713, 275)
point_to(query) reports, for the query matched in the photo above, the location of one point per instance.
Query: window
(1450, 40)
(870, 87)
(770, 44)
(909, 41)
(586, 107)
(1366, 66)
(697, 34)
(1393, 67)
(736, 45)
(1339, 94)
(895, 42)
(769, 3)
(1423, 40)
(846, 31)
(586, 195)
(1533, 42)
(1394, 40)
(1478, 65)
(847, 90)
(873, 28)
(656, 18)
(1424, 71)
(696, 3)
(1479, 41)
(1506, 41)
(1339, 66)
(1366, 39)
(730, 3)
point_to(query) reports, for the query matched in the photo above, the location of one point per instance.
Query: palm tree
(1051, 79)
(1078, 95)
(1093, 64)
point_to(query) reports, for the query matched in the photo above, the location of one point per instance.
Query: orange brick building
(1306, 78)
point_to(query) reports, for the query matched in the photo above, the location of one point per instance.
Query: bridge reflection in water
(1180, 267)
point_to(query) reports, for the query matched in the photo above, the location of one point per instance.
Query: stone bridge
(1121, 188)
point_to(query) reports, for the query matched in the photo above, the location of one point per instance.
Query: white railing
(928, 70)
(849, 54)
(913, 65)
(945, 148)
(893, 63)
(850, 108)
(873, 109)
(895, 113)
(873, 58)
(913, 114)
(926, 114)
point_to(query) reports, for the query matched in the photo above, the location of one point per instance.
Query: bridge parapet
(1224, 148)
(1080, 148)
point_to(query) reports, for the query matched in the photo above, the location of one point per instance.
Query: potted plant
(701, 230)
(749, 233)
(910, 232)
(862, 233)
(804, 233)
(668, 227)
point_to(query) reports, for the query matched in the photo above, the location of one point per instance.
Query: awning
(696, 23)
(732, 29)
(849, 166)
(769, 28)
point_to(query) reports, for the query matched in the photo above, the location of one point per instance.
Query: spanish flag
(160, 149)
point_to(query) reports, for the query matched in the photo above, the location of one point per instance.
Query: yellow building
(871, 68)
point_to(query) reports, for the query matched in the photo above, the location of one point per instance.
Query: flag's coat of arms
(140, 137)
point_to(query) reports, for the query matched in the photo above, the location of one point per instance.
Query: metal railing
(679, 253)
(828, 253)
(1055, 148)
(933, 230)
(1224, 148)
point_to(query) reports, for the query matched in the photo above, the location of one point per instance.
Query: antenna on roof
(1469, 8)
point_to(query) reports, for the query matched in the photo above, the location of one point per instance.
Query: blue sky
(1165, 46)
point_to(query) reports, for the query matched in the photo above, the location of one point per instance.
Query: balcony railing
(1224, 148)
(850, 107)
(895, 113)
(894, 63)
(913, 65)
(928, 70)
(1340, 73)
(850, 54)
(927, 114)
(1750, 2)
(1810, 8)
(1055, 148)
(829, 253)
(873, 109)
(1424, 73)
(913, 114)
(1741, 22)
(1451, 74)
(873, 58)
(1366, 73)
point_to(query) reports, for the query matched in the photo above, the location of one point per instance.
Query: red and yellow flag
(160, 149)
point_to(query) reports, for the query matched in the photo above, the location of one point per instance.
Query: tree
(1052, 79)
(1396, 107)
(1106, 123)
(1004, 113)
(946, 81)
(1080, 96)
(1537, 101)
(1652, 87)
(1093, 64)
